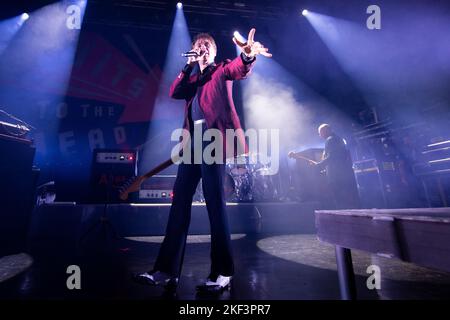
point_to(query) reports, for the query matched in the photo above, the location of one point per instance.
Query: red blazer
(216, 96)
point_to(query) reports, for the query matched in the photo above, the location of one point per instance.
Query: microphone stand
(27, 125)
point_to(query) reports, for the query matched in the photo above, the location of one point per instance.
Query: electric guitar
(297, 156)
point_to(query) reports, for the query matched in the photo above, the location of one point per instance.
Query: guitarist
(206, 88)
(338, 166)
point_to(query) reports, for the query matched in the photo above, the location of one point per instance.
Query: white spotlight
(305, 12)
(179, 5)
(25, 16)
(239, 37)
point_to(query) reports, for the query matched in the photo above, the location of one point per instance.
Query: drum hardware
(249, 180)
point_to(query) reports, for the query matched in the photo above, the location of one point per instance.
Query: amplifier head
(158, 188)
(110, 170)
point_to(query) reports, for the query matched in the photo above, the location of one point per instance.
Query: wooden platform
(420, 236)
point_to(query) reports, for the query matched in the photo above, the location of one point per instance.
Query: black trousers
(171, 253)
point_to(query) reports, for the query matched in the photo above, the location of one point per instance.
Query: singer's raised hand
(252, 48)
(194, 59)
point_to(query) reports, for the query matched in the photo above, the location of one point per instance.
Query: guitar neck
(297, 156)
(158, 168)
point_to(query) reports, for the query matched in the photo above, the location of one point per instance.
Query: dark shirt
(336, 158)
(196, 110)
(338, 165)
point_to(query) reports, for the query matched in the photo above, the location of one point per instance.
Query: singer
(207, 89)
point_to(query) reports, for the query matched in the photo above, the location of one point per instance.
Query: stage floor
(275, 265)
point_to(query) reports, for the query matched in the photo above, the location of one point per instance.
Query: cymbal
(249, 158)
(266, 172)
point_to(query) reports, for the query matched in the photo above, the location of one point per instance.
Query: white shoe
(156, 278)
(221, 283)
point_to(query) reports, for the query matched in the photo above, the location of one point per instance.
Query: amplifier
(157, 188)
(105, 157)
(155, 194)
(110, 170)
(17, 192)
(378, 183)
(365, 166)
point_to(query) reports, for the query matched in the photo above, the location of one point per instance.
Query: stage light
(305, 12)
(25, 16)
(239, 37)
(164, 106)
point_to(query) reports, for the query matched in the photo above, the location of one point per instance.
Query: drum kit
(247, 179)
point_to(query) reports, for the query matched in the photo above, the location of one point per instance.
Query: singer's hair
(206, 36)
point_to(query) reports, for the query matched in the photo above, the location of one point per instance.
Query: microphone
(192, 54)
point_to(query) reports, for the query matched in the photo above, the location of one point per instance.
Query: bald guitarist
(338, 165)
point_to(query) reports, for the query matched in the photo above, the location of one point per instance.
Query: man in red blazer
(207, 89)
